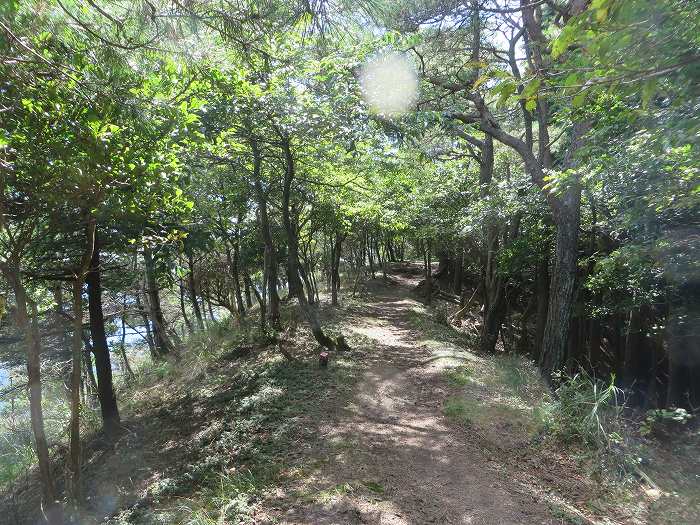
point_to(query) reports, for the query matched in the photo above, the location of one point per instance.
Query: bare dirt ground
(391, 456)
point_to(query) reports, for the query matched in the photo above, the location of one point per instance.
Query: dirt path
(392, 456)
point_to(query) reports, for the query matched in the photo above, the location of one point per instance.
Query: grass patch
(253, 413)
(374, 487)
(457, 409)
(332, 493)
(421, 319)
(459, 376)
(511, 372)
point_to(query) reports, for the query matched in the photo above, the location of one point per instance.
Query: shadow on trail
(390, 457)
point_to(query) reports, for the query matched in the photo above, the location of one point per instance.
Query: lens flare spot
(389, 84)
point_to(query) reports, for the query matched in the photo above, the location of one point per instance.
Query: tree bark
(271, 263)
(73, 481)
(122, 346)
(161, 341)
(296, 288)
(52, 508)
(192, 291)
(336, 249)
(494, 304)
(561, 292)
(234, 264)
(567, 217)
(100, 348)
(147, 325)
(183, 310)
(542, 283)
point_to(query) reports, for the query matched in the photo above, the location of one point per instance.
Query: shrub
(587, 411)
(664, 420)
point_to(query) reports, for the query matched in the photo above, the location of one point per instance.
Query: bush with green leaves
(662, 420)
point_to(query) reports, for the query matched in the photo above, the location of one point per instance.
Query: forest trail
(410, 427)
(391, 456)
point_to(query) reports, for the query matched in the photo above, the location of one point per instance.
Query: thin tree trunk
(542, 293)
(122, 346)
(146, 323)
(192, 291)
(52, 508)
(273, 299)
(183, 310)
(162, 343)
(428, 272)
(73, 481)
(89, 371)
(100, 348)
(235, 279)
(335, 272)
(296, 288)
(248, 298)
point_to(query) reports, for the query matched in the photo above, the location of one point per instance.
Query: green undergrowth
(654, 477)
(493, 392)
(432, 324)
(258, 416)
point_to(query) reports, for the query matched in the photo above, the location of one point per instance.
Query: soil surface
(392, 456)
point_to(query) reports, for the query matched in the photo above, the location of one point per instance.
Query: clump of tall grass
(586, 411)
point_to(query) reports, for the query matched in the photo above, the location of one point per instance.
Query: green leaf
(505, 90)
(579, 100)
(562, 42)
(648, 92)
(571, 80)
(531, 88)
(483, 78)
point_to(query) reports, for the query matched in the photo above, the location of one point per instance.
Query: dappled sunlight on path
(391, 456)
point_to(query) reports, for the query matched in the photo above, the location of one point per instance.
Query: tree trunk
(122, 346)
(89, 371)
(370, 255)
(183, 310)
(561, 292)
(335, 264)
(192, 291)
(234, 263)
(52, 508)
(493, 287)
(73, 481)
(542, 283)
(427, 271)
(248, 298)
(296, 288)
(100, 348)
(161, 341)
(567, 218)
(147, 325)
(271, 263)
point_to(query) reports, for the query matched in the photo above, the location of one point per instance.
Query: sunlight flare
(389, 84)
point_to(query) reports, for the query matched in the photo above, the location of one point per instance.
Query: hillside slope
(408, 427)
